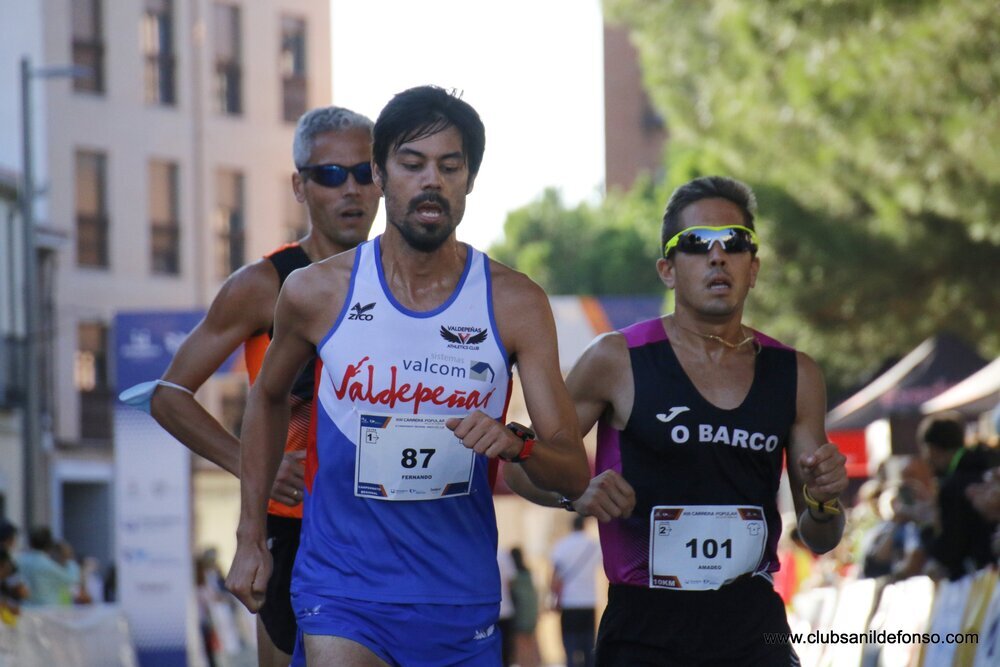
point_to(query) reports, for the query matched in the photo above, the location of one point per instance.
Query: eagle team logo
(464, 337)
(359, 312)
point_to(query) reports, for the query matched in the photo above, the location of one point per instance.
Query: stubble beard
(421, 237)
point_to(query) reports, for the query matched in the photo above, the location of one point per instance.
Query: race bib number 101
(410, 457)
(703, 547)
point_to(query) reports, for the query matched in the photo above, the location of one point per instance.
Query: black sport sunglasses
(335, 175)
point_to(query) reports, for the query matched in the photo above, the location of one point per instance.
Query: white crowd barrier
(85, 636)
(890, 625)
(988, 653)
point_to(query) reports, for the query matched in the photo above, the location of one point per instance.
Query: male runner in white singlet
(416, 334)
(696, 413)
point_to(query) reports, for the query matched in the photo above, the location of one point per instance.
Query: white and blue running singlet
(396, 508)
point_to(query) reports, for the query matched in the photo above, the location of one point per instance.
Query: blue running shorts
(405, 635)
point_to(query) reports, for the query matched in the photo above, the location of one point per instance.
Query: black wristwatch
(566, 504)
(527, 436)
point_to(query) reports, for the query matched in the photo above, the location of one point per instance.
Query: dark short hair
(7, 530)
(945, 431)
(424, 111)
(706, 187)
(517, 556)
(40, 538)
(7, 560)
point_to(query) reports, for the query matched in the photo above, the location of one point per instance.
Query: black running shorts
(276, 614)
(644, 627)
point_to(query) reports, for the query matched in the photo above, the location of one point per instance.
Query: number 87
(410, 458)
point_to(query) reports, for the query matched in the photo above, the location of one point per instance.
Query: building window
(230, 223)
(91, 209)
(293, 68)
(88, 45)
(158, 48)
(164, 218)
(228, 65)
(90, 374)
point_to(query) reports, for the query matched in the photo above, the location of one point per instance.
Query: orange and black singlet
(286, 259)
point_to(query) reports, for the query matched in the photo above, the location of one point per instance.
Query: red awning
(852, 445)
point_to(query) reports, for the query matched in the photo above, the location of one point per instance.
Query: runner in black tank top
(695, 413)
(330, 143)
(284, 523)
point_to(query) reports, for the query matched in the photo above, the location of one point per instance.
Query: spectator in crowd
(961, 537)
(863, 517)
(575, 559)
(49, 581)
(111, 584)
(8, 536)
(205, 594)
(893, 548)
(93, 582)
(506, 622)
(12, 586)
(985, 497)
(63, 553)
(9, 605)
(524, 595)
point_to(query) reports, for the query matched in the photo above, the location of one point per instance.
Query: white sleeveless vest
(388, 377)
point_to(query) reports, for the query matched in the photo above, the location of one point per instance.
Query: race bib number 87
(410, 457)
(703, 547)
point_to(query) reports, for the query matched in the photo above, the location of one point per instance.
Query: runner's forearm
(558, 465)
(821, 535)
(264, 430)
(519, 482)
(185, 419)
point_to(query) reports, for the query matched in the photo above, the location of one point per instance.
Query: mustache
(429, 198)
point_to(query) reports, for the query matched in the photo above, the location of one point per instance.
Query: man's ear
(378, 177)
(472, 182)
(754, 268)
(665, 267)
(298, 187)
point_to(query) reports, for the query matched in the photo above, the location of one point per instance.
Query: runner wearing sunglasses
(340, 212)
(695, 412)
(416, 333)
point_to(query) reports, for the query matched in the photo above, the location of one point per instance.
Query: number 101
(710, 548)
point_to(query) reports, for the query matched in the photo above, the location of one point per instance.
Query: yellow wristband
(825, 507)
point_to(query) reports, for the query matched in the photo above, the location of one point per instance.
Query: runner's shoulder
(607, 349)
(602, 364)
(321, 282)
(249, 292)
(513, 288)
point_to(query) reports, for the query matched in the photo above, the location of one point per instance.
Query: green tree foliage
(610, 248)
(871, 132)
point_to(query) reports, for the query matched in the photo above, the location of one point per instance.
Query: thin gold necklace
(718, 339)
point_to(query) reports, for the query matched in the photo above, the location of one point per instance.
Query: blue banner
(146, 341)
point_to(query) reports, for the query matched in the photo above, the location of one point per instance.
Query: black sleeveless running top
(679, 449)
(286, 259)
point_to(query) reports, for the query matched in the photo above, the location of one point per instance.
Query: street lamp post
(32, 401)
